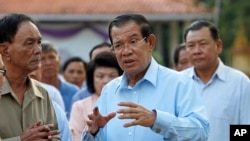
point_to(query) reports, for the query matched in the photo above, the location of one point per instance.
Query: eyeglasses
(132, 43)
(3, 71)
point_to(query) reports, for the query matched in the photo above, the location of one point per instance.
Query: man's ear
(152, 41)
(4, 50)
(219, 46)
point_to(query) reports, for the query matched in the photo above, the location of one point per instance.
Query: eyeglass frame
(123, 45)
(3, 71)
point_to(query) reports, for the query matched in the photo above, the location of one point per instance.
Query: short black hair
(73, 59)
(103, 59)
(196, 25)
(103, 44)
(123, 19)
(177, 52)
(9, 25)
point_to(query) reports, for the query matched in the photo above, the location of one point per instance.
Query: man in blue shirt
(224, 90)
(81, 94)
(50, 66)
(148, 102)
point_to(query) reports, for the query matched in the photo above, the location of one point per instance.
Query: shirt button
(157, 130)
(130, 133)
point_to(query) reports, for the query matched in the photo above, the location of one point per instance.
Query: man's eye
(117, 45)
(99, 76)
(71, 71)
(133, 41)
(203, 44)
(29, 43)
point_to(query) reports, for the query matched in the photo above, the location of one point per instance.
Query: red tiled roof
(100, 7)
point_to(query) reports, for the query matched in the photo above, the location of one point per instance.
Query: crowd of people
(122, 93)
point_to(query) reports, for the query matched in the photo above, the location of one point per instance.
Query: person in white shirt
(225, 91)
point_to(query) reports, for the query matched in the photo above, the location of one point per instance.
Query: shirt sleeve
(51, 118)
(189, 121)
(58, 98)
(89, 137)
(244, 100)
(62, 122)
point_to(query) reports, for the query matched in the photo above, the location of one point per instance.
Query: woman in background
(99, 72)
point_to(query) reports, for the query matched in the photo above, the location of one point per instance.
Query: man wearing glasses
(148, 102)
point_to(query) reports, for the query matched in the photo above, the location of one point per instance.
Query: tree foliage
(232, 15)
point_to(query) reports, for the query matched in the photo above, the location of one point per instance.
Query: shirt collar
(150, 75)
(6, 89)
(220, 72)
(34, 89)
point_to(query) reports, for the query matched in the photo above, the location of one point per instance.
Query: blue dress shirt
(180, 112)
(63, 124)
(81, 94)
(67, 91)
(54, 94)
(227, 99)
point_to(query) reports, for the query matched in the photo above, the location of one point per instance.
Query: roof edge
(108, 17)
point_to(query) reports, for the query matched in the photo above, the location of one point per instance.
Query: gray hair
(48, 46)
